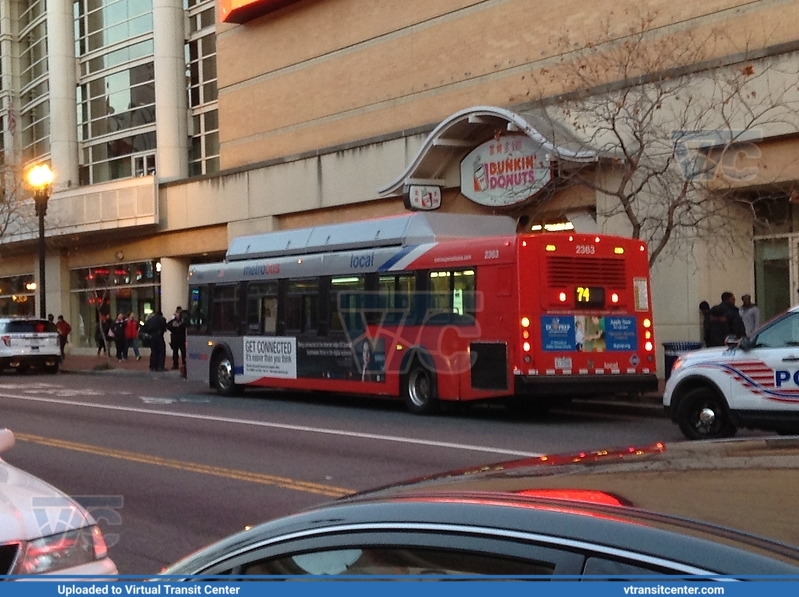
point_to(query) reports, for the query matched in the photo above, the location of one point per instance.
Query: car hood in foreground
(747, 485)
(30, 508)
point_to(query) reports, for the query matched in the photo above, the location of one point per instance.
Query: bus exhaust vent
(604, 271)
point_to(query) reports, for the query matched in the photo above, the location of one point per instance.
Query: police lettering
(782, 376)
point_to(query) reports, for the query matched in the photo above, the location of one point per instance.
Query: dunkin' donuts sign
(504, 172)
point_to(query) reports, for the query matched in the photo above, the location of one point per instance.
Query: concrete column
(9, 54)
(174, 284)
(171, 125)
(63, 94)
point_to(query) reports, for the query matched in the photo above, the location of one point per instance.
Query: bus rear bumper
(584, 385)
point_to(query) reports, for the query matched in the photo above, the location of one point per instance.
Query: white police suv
(752, 383)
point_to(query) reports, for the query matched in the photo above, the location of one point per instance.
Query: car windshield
(29, 326)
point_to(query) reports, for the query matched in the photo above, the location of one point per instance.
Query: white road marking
(302, 428)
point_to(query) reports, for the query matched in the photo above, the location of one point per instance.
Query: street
(168, 466)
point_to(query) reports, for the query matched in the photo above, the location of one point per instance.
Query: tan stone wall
(329, 72)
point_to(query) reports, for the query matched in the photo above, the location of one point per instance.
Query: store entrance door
(776, 275)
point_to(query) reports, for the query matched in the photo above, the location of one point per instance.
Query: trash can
(672, 350)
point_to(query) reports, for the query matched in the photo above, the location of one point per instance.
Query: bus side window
(302, 306)
(199, 297)
(224, 316)
(452, 297)
(261, 298)
(396, 295)
(346, 305)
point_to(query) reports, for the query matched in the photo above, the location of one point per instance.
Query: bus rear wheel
(223, 376)
(419, 390)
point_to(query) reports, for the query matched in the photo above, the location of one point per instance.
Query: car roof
(715, 505)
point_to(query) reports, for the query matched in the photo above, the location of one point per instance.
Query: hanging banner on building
(505, 171)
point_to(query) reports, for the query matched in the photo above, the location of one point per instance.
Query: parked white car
(28, 342)
(753, 383)
(44, 531)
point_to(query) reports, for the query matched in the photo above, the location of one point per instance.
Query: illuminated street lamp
(40, 179)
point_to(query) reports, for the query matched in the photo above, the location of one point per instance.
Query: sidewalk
(86, 360)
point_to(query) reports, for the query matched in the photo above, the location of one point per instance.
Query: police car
(753, 383)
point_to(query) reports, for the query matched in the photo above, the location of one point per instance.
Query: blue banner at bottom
(422, 587)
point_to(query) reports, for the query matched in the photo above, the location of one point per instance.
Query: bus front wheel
(224, 380)
(419, 391)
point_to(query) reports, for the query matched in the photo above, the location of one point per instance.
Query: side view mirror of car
(732, 342)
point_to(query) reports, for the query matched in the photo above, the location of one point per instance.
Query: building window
(18, 295)
(34, 87)
(116, 89)
(109, 290)
(201, 60)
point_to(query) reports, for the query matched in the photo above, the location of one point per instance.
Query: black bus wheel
(224, 379)
(702, 414)
(418, 390)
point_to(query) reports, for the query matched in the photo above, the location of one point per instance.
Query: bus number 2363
(585, 249)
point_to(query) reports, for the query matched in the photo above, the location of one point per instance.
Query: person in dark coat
(156, 326)
(118, 334)
(101, 334)
(177, 329)
(724, 320)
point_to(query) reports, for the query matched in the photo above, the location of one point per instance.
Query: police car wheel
(702, 414)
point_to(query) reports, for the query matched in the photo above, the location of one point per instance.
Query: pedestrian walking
(177, 340)
(101, 334)
(118, 334)
(63, 328)
(749, 313)
(132, 335)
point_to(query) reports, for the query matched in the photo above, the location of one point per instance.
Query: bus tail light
(649, 346)
(562, 297)
(526, 347)
(525, 322)
(614, 298)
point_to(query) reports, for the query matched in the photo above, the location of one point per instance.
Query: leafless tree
(16, 209)
(675, 128)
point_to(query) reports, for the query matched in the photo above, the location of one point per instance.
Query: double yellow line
(192, 467)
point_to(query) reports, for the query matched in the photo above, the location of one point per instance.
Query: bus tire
(223, 376)
(703, 414)
(419, 390)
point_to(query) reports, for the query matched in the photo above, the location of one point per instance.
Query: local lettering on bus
(361, 261)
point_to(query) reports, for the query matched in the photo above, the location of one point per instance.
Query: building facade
(174, 127)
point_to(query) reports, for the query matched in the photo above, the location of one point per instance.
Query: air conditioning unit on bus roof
(413, 229)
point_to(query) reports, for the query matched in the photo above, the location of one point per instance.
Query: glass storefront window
(109, 290)
(18, 295)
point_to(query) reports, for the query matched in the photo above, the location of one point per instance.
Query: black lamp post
(40, 179)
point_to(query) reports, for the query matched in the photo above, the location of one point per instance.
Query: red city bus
(428, 307)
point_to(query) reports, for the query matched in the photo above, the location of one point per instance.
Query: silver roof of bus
(413, 229)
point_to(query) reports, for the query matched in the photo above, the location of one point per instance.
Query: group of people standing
(726, 319)
(126, 330)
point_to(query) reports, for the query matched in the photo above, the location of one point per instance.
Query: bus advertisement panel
(427, 307)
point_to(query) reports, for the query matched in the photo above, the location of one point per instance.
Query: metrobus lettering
(362, 260)
(781, 376)
(261, 269)
(254, 270)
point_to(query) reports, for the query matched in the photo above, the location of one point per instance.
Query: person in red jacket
(132, 335)
(63, 329)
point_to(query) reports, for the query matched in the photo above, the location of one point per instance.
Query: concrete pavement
(85, 360)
